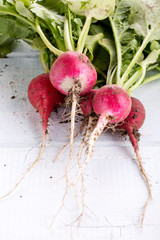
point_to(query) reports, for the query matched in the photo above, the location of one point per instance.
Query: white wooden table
(114, 189)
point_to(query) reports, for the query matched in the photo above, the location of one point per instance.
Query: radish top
(71, 68)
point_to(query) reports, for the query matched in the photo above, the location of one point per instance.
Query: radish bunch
(95, 56)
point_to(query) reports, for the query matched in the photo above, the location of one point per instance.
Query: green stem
(70, 29)
(119, 54)
(131, 89)
(151, 78)
(100, 72)
(20, 17)
(67, 39)
(46, 41)
(83, 35)
(110, 79)
(132, 79)
(43, 62)
(99, 81)
(136, 57)
(85, 51)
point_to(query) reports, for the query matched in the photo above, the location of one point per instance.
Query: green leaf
(27, 3)
(22, 10)
(56, 5)
(120, 25)
(11, 2)
(91, 43)
(93, 8)
(14, 28)
(109, 46)
(101, 59)
(145, 18)
(37, 43)
(6, 45)
(46, 14)
(10, 10)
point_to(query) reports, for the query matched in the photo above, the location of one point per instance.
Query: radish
(131, 124)
(73, 75)
(44, 98)
(112, 104)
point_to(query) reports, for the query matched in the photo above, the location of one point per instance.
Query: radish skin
(86, 103)
(131, 124)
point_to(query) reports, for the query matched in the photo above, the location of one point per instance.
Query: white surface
(114, 189)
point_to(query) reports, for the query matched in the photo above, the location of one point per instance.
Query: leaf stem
(100, 72)
(132, 79)
(67, 39)
(46, 41)
(131, 89)
(151, 78)
(83, 35)
(43, 62)
(119, 54)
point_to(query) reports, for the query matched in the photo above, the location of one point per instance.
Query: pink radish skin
(86, 103)
(113, 104)
(44, 97)
(112, 101)
(133, 122)
(71, 67)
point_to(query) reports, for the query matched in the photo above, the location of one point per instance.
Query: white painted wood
(114, 189)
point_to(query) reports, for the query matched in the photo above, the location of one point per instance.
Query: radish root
(76, 135)
(74, 98)
(148, 185)
(29, 169)
(83, 144)
(94, 136)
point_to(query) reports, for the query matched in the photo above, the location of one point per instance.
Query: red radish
(72, 74)
(131, 124)
(43, 97)
(71, 68)
(112, 103)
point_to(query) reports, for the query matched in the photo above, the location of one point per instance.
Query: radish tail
(148, 185)
(29, 169)
(102, 122)
(73, 114)
(88, 130)
(136, 149)
(83, 144)
(76, 135)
